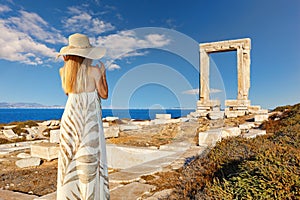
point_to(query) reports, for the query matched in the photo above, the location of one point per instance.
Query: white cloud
(193, 91)
(25, 37)
(82, 21)
(113, 66)
(214, 90)
(19, 46)
(33, 25)
(127, 43)
(4, 8)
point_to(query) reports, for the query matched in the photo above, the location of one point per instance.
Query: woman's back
(90, 80)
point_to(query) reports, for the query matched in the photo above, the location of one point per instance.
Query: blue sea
(8, 115)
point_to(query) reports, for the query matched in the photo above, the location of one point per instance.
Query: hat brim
(91, 52)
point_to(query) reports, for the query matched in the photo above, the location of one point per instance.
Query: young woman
(82, 165)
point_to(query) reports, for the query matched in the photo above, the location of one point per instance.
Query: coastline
(8, 115)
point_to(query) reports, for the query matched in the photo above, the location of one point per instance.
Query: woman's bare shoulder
(95, 69)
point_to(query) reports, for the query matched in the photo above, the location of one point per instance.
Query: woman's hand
(102, 68)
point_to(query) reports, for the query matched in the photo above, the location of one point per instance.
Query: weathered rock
(23, 155)
(210, 137)
(231, 132)
(234, 113)
(46, 123)
(261, 117)
(131, 191)
(105, 124)
(54, 136)
(12, 195)
(110, 119)
(28, 162)
(45, 150)
(159, 121)
(10, 134)
(214, 115)
(246, 126)
(164, 194)
(128, 127)
(30, 137)
(162, 116)
(111, 132)
(254, 133)
(184, 119)
(141, 123)
(9, 127)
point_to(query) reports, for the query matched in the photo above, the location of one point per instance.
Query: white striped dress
(82, 164)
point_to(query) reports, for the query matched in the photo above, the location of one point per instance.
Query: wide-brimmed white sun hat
(80, 45)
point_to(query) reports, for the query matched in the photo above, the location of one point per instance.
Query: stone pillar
(246, 69)
(240, 73)
(204, 77)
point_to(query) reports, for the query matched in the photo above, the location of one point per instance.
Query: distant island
(26, 105)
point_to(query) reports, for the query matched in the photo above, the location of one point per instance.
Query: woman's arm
(101, 84)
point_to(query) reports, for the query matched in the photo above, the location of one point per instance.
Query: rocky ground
(41, 180)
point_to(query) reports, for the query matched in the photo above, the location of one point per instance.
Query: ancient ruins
(242, 104)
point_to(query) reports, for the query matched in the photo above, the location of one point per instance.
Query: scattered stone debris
(28, 162)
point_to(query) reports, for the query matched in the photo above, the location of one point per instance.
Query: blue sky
(152, 49)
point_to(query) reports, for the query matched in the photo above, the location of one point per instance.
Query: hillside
(24, 105)
(267, 167)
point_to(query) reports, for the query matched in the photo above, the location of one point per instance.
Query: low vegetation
(267, 167)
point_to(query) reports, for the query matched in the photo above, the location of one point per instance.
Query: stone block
(254, 133)
(105, 124)
(54, 136)
(128, 127)
(131, 191)
(240, 108)
(10, 134)
(261, 118)
(23, 155)
(231, 132)
(111, 132)
(197, 114)
(45, 150)
(28, 162)
(247, 126)
(253, 109)
(236, 103)
(162, 116)
(9, 127)
(184, 119)
(159, 121)
(46, 123)
(236, 113)
(214, 115)
(110, 119)
(140, 123)
(210, 137)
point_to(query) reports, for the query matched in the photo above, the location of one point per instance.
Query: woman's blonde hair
(75, 73)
